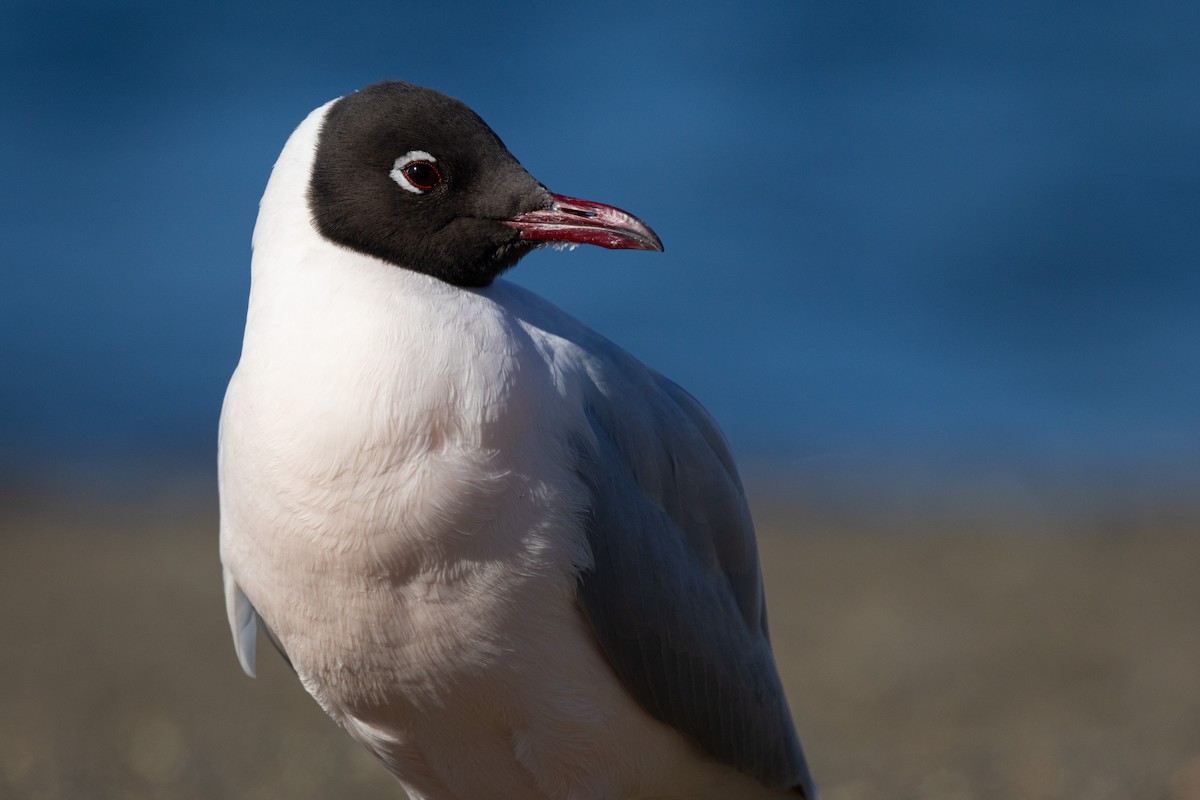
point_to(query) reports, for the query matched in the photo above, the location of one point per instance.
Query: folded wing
(674, 593)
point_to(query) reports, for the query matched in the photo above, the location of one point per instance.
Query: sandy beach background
(931, 266)
(933, 657)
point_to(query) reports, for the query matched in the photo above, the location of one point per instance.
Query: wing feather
(674, 593)
(243, 623)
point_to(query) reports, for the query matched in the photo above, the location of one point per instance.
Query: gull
(501, 553)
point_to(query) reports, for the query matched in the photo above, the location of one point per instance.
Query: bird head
(416, 178)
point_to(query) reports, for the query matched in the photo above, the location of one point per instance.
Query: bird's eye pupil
(422, 174)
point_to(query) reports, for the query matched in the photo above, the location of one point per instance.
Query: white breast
(398, 505)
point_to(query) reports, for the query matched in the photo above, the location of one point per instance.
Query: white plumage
(402, 506)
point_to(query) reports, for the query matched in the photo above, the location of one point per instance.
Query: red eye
(422, 174)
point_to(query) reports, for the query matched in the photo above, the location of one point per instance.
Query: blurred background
(934, 268)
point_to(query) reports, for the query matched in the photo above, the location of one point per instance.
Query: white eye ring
(397, 174)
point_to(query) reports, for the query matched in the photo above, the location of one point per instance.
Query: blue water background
(956, 241)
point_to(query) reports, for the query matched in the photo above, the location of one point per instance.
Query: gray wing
(243, 624)
(674, 593)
